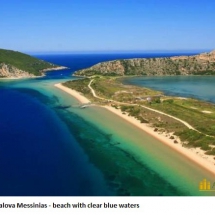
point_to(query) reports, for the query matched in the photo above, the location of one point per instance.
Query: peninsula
(14, 64)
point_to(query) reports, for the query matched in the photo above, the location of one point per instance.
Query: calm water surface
(46, 149)
(200, 87)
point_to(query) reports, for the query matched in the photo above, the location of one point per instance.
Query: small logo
(205, 185)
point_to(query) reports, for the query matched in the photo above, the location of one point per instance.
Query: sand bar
(73, 93)
(194, 154)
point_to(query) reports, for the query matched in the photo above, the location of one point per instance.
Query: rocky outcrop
(9, 71)
(202, 64)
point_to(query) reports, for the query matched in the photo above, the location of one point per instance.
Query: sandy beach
(73, 93)
(194, 154)
(20, 77)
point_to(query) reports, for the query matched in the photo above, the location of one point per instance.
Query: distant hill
(202, 64)
(16, 64)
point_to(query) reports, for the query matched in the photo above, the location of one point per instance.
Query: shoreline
(195, 155)
(82, 99)
(33, 76)
(22, 77)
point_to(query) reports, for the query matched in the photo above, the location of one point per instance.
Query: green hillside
(24, 62)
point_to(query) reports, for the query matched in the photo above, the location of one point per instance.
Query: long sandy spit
(196, 155)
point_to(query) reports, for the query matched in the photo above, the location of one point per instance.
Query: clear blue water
(80, 61)
(38, 154)
(199, 87)
(49, 151)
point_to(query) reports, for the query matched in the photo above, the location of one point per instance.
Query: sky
(107, 25)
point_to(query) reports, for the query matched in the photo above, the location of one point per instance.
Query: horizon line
(121, 51)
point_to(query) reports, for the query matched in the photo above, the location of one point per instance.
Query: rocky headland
(14, 64)
(201, 64)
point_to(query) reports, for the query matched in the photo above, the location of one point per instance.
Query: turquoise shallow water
(160, 162)
(73, 151)
(200, 87)
(38, 153)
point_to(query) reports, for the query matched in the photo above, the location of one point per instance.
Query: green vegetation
(81, 85)
(195, 139)
(24, 62)
(191, 111)
(199, 114)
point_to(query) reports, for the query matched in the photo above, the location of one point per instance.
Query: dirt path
(151, 109)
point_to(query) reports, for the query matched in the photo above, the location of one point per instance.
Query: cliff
(9, 71)
(17, 65)
(202, 64)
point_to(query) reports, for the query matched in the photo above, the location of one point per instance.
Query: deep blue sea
(41, 154)
(34, 154)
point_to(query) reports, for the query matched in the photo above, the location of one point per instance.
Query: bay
(50, 150)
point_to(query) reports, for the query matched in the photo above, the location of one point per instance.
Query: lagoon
(199, 87)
